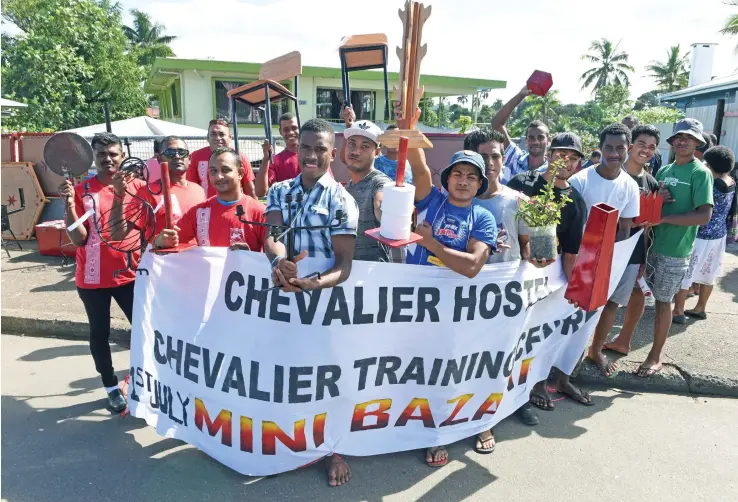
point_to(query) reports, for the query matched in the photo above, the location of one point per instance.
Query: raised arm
(422, 178)
(261, 182)
(502, 116)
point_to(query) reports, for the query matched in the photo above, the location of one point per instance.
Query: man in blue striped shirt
(537, 137)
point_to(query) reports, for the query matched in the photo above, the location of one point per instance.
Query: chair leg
(5, 247)
(15, 238)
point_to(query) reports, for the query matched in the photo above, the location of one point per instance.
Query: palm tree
(544, 108)
(147, 38)
(462, 99)
(611, 65)
(731, 24)
(671, 74)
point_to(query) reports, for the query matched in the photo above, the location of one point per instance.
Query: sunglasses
(176, 152)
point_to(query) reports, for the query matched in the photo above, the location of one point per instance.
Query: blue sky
(493, 39)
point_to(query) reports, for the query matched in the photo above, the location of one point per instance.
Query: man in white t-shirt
(607, 182)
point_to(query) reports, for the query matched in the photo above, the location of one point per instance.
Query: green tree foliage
(671, 74)
(68, 60)
(647, 99)
(731, 24)
(610, 65)
(464, 122)
(659, 115)
(147, 39)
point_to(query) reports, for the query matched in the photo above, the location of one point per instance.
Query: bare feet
(574, 393)
(436, 456)
(618, 346)
(337, 469)
(485, 442)
(540, 397)
(603, 363)
(649, 368)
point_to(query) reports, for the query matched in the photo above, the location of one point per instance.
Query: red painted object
(374, 234)
(53, 239)
(540, 82)
(166, 195)
(590, 279)
(401, 161)
(651, 206)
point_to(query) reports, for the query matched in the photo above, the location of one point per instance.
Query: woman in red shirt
(214, 222)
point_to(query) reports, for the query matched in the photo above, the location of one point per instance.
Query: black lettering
(154, 399)
(414, 371)
(140, 381)
(307, 312)
(363, 365)
(148, 381)
(296, 384)
(493, 369)
(388, 365)
(398, 305)
(532, 338)
(572, 322)
(211, 372)
(278, 383)
(518, 350)
(428, 299)
(175, 355)
(233, 305)
(170, 398)
(460, 302)
(254, 391)
(538, 284)
(528, 286)
(278, 299)
(382, 312)
(234, 378)
(259, 295)
(512, 295)
(158, 342)
(359, 316)
(435, 371)
(589, 315)
(132, 386)
(453, 369)
(470, 369)
(337, 308)
(327, 378)
(507, 370)
(184, 408)
(191, 362)
(494, 290)
(547, 330)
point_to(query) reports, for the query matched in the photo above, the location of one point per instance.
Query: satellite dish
(68, 154)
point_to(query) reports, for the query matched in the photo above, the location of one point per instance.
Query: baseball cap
(364, 128)
(567, 141)
(469, 157)
(692, 127)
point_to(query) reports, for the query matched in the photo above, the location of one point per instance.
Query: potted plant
(542, 214)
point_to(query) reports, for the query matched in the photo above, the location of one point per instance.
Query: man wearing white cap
(360, 150)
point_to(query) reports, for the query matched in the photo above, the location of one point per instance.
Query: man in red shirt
(214, 222)
(96, 262)
(184, 194)
(282, 166)
(219, 136)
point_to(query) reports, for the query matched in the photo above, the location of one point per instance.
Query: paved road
(59, 443)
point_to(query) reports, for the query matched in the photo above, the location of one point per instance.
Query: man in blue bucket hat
(456, 233)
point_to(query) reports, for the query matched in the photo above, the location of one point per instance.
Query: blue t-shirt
(452, 226)
(389, 167)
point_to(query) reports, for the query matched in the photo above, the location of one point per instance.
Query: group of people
(470, 221)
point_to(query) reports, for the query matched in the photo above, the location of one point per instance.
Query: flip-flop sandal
(696, 315)
(649, 371)
(582, 397)
(679, 319)
(440, 463)
(548, 407)
(483, 450)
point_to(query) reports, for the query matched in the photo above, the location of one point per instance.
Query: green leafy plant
(544, 210)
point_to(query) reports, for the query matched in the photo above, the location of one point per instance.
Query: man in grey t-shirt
(360, 150)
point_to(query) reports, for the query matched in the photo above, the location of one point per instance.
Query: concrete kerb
(671, 379)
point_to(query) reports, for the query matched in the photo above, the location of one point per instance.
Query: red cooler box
(53, 239)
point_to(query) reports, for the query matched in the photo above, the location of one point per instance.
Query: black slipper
(696, 315)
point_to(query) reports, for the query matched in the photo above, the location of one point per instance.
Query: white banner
(398, 357)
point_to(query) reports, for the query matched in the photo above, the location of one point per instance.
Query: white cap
(364, 128)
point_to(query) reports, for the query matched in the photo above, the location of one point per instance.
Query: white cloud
(466, 38)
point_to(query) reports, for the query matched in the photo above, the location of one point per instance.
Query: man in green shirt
(686, 186)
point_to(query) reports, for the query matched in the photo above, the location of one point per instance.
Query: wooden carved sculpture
(409, 91)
